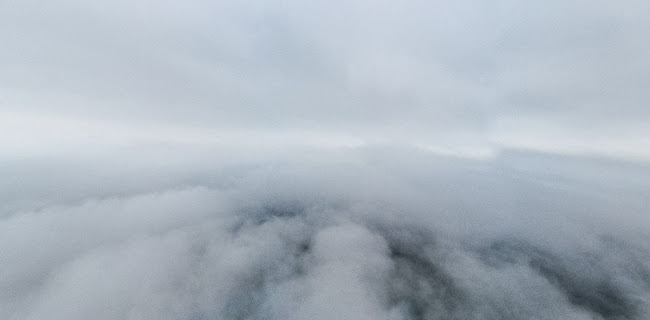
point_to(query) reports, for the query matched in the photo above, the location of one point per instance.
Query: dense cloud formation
(369, 233)
(398, 160)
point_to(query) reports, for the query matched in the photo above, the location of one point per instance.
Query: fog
(382, 232)
(414, 160)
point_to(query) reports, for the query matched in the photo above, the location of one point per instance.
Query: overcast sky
(556, 76)
(391, 160)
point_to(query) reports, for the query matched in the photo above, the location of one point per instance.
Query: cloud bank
(410, 160)
(368, 233)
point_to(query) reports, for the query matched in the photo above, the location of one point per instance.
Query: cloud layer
(376, 233)
(324, 160)
(452, 73)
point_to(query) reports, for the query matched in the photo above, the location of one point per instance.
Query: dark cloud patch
(582, 277)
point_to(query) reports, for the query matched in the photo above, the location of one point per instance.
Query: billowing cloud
(324, 160)
(379, 233)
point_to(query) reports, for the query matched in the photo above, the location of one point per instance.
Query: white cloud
(341, 159)
(367, 232)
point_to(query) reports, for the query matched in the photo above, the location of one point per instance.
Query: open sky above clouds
(410, 160)
(558, 76)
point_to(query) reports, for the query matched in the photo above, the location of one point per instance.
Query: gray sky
(557, 76)
(393, 160)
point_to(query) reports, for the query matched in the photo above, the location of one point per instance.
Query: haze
(324, 160)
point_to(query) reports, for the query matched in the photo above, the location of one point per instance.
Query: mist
(325, 160)
(381, 232)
